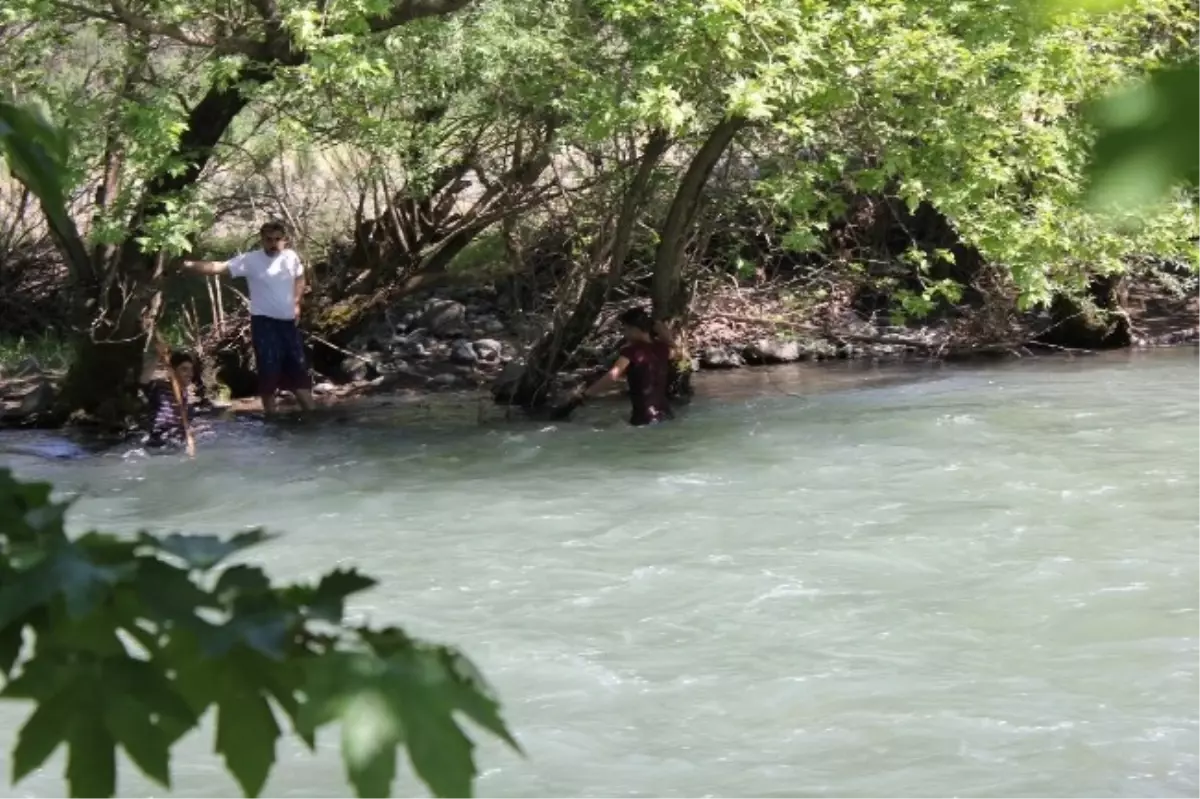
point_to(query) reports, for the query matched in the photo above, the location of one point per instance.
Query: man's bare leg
(305, 398)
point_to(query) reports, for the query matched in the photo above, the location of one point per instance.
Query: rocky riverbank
(470, 341)
(453, 343)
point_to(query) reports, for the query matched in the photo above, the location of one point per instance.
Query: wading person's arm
(606, 381)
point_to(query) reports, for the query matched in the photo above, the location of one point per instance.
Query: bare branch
(121, 14)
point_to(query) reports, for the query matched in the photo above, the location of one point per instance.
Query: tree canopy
(436, 121)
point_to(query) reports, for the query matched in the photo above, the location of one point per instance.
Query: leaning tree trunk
(554, 349)
(670, 297)
(670, 300)
(118, 300)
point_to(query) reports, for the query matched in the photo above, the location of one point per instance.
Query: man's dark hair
(637, 317)
(178, 358)
(274, 226)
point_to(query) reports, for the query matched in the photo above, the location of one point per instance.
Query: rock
(394, 366)
(443, 381)
(324, 388)
(488, 349)
(355, 368)
(410, 348)
(444, 318)
(491, 325)
(374, 338)
(818, 350)
(408, 320)
(28, 367)
(773, 351)
(462, 352)
(720, 358)
(505, 383)
(38, 401)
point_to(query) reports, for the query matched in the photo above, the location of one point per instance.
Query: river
(958, 580)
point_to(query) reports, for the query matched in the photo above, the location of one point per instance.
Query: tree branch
(120, 14)
(404, 11)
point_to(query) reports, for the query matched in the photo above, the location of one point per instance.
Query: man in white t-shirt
(276, 280)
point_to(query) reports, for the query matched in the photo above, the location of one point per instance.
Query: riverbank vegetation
(477, 183)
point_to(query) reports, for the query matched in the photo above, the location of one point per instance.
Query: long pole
(164, 355)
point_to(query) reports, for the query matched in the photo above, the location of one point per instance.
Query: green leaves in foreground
(1148, 139)
(37, 152)
(129, 643)
(402, 692)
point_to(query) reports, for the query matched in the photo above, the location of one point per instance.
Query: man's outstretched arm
(206, 267)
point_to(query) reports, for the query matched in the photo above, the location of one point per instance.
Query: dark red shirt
(648, 372)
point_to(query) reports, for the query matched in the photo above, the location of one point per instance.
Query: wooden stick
(164, 355)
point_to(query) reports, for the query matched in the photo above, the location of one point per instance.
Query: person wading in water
(645, 362)
(164, 423)
(276, 280)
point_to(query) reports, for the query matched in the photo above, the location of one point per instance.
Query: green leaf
(241, 580)
(402, 692)
(157, 695)
(36, 153)
(370, 735)
(246, 735)
(66, 571)
(143, 740)
(168, 594)
(440, 753)
(265, 632)
(12, 638)
(203, 551)
(91, 758)
(1149, 139)
(329, 601)
(474, 697)
(45, 729)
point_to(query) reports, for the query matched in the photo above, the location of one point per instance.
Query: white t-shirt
(272, 280)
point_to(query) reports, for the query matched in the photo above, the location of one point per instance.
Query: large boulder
(356, 368)
(444, 318)
(721, 358)
(462, 352)
(488, 350)
(773, 351)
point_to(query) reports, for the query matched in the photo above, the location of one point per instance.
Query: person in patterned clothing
(164, 426)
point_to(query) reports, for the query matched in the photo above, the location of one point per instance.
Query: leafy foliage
(130, 642)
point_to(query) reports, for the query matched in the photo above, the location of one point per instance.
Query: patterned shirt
(164, 425)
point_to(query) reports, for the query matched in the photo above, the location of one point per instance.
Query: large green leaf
(37, 152)
(95, 704)
(246, 736)
(65, 571)
(45, 729)
(91, 757)
(409, 695)
(203, 552)
(1148, 139)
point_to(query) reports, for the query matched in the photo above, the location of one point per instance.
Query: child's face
(185, 372)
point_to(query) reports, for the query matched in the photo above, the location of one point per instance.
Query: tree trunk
(669, 296)
(554, 349)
